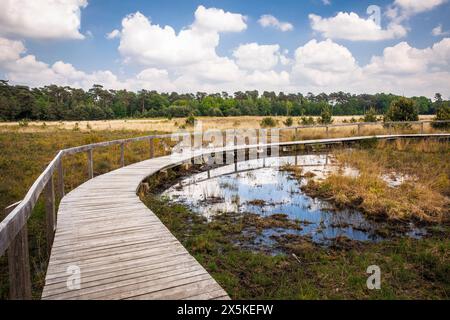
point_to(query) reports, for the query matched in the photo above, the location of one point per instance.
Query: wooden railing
(13, 229)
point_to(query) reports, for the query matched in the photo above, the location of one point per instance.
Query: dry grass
(159, 124)
(425, 196)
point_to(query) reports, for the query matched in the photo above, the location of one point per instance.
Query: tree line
(54, 102)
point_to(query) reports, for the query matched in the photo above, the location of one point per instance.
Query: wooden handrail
(13, 231)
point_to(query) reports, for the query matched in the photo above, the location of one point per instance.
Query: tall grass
(424, 196)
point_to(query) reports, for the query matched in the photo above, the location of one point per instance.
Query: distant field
(160, 124)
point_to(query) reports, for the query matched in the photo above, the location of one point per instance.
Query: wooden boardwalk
(120, 247)
(123, 251)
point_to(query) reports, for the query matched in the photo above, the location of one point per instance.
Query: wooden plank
(50, 213)
(122, 154)
(152, 148)
(61, 178)
(90, 164)
(19, 264)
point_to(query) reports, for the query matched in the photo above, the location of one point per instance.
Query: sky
(396, 46)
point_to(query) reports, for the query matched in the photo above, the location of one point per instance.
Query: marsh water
(261, 186)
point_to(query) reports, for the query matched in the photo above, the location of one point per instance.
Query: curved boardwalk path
(122, 250)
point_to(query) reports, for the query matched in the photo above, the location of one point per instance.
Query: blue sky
(339, 50)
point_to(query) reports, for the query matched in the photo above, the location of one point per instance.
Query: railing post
(50, 212)
(359, 129)
(152, 148)
(296, 134)
(327, 131)
(122, 154)
(19, 264)
(90, 164)
(421, 127)
(61, 178)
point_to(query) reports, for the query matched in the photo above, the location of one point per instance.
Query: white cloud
(268, 20)
(10, 50)
(400, 59)
(318, 66)
(323, 63)
(44, 19)
(405, 60)
(187, 61)
(218, 70)
(437, 31)
(152, 45)
(26, 69)
(406, 70)
(326, 2)
(213, 19)
(267, 80)
(417, 6)
(350, 26)
(402, 10)
(257, 57)
(190, 55)
(326, 66)
(440, 53)
(113, 34)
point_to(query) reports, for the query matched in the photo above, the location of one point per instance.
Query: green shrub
(268, 122)
(402, 109)
(307, 121)
(289, 122)
(326, 115)
(23, 123)
(190, 121)
(442, 113)
(371, 115)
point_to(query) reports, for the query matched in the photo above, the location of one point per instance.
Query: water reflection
(260, 186)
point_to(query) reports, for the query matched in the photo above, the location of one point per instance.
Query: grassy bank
(423, 195)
